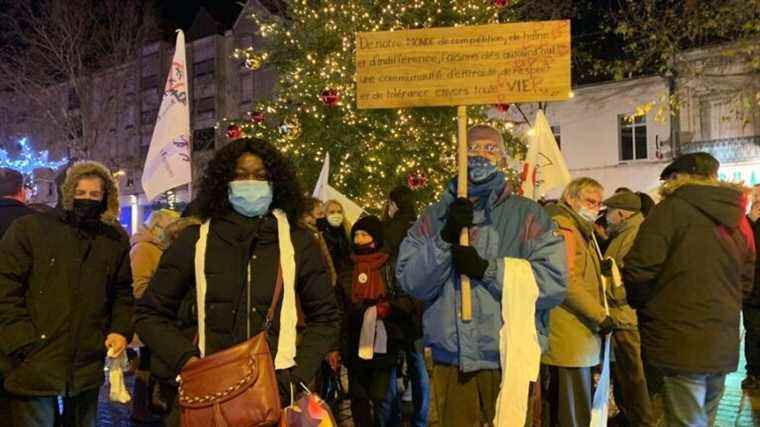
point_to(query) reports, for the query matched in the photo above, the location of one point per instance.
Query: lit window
(633, 138)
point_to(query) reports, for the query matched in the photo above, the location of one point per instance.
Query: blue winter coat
(506, 226)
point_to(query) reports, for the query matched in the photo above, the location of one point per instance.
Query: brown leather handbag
(233, 387)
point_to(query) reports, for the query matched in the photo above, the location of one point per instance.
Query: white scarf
(286, 342)
(519, 350)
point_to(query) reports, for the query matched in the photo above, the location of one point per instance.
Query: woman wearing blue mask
(250, 202)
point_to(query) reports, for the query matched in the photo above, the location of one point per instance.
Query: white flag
(324, 192)
(168, 163)
(544, 167)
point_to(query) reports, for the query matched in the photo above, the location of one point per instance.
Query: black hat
(702, 164)
(372, 226)
(404, 198)
(625, 200)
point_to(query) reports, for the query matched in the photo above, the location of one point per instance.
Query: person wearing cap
(624, 218)
(687, 273)
(466, 370)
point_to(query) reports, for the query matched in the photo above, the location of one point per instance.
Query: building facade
(220, 86)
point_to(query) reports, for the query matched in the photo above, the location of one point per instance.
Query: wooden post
(464, 238)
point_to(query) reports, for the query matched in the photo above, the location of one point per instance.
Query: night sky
(180, 13)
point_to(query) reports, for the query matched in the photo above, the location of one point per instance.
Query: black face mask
(86, 211)
(322, 224)
(365, 249)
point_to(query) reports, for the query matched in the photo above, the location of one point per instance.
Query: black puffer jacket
(690, 266)
(234, 240)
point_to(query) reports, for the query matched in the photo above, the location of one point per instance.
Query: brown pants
(629, 381)
(464, 400)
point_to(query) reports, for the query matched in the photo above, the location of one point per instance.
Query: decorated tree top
(311, 48)
(28, 161)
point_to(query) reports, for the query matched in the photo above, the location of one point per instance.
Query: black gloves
(468, 262)
(460, 216)
(607, 326)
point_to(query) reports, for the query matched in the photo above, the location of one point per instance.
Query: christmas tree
(310, 46)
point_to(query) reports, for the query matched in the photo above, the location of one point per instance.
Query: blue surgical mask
(250, 198)
(479, 169)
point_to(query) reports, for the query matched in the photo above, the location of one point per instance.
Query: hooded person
(504, 229)
(690, 267)
(624, 218)
(65, 300)
(147, 246)
(249, 202)
(373, 333)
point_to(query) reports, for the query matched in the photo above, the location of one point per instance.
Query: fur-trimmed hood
(724, 202)
(80, 169)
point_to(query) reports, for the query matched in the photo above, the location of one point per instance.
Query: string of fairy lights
(314, 108)
(28, 161)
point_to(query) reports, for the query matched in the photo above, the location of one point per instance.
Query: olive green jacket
(622, 242)
(574, 340)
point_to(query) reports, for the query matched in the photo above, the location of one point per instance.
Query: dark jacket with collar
(233, 241)
(10, 210)
(691, 265)
(62, 291)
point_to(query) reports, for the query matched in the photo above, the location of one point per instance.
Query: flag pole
(464, 238)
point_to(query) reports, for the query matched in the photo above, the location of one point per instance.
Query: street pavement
(736, 409)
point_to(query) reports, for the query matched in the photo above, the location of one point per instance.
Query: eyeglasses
(487, 148)
(592, 203)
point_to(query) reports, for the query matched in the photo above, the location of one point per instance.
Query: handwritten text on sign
(487, 64)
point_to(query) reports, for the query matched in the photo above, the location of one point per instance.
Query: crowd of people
(382, 297)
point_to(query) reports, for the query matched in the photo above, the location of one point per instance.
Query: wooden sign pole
(464, 238)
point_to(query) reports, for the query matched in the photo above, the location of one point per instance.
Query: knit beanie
(370, 225)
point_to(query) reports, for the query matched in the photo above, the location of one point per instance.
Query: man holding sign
(466, 373)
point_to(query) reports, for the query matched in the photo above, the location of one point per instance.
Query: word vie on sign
(486, 64)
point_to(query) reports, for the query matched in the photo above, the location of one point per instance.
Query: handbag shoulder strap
(275, 298)
(200, 284)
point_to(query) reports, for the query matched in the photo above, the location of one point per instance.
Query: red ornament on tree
(416, 181)
(502, 108)
(234, 132)
(257, 117)
(501, 3)
(330, 97)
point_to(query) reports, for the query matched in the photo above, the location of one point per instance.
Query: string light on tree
(314, 110)
(28, 161)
